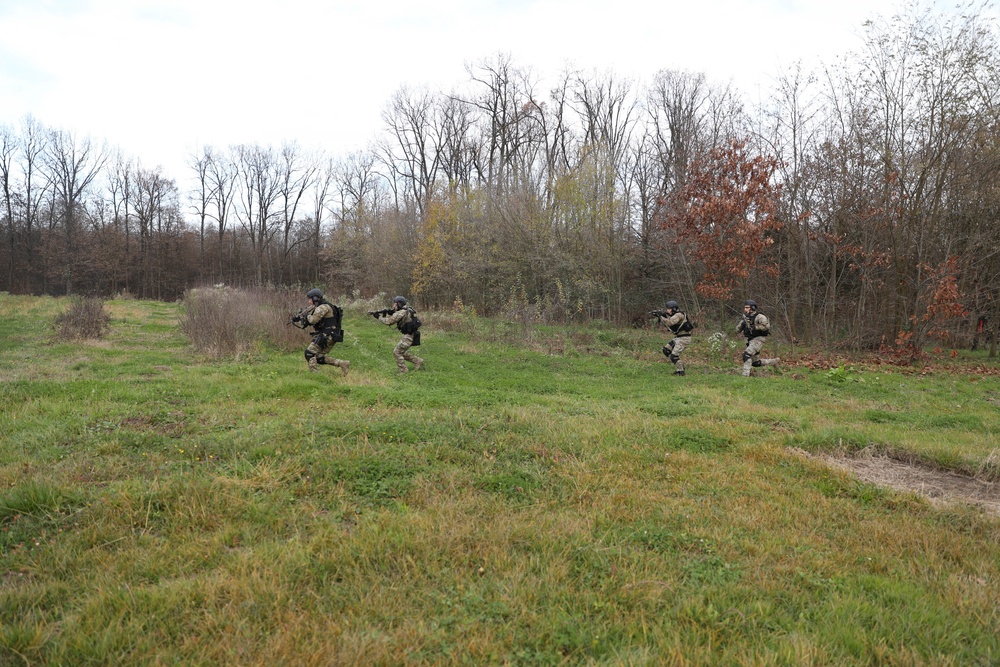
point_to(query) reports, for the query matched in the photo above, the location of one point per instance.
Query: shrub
(228, 322)
(85, 318)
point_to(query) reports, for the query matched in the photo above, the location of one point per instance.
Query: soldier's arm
(392, 318)
(674, 320)
(317, 313)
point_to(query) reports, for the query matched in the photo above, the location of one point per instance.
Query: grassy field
(561, 501)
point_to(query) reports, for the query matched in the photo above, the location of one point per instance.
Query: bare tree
(155, 206)
(321, 185)
(201, 198)
(222, 176)
(260, 191)
(296, 173)
(412, 151)
(8, 147)
(73, 164)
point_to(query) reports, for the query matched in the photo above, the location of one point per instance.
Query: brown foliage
(724, 214)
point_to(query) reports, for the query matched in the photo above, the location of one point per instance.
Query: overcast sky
(159, 78)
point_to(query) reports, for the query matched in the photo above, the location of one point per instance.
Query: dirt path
(939, 486)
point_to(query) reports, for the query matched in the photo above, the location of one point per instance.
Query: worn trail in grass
(505, 506)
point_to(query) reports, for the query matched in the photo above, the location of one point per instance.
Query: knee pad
(757, 363)
(667, 349)
(674, 358)
(321, 359)
(309, 354)
(747, 357)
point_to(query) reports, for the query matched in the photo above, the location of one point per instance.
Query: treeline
(859, 204)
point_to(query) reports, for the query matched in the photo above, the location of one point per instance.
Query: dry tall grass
(227, 322)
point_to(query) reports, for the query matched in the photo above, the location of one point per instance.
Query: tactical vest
(409, 325)
(331, 323)
(684, 327)
(750, 329)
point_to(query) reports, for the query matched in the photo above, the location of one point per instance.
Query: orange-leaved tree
(724, 215)
(944, 307)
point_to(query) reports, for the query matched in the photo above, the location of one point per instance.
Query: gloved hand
(297, 318)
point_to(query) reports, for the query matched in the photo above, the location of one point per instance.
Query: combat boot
(344, 367)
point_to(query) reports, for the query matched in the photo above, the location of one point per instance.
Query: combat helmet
(671, 304)
(401, 300)
(314, 294)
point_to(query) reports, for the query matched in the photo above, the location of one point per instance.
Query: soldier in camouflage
(755, 327)
(678, 324)
(322, 316)
(405, 319)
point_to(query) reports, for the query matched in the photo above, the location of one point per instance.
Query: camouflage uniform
(322, 341)
(755, 327)
(680, 340)
(401, 351)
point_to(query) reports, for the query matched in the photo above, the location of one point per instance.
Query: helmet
(314, 294)
(671, 304)
(751, 303)
(401, 300)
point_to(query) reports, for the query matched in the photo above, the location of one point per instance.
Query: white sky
(159, 78)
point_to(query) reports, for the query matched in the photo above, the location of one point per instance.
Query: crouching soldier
(406, 320)
(676, 321)
(325, 318)
(755, 327)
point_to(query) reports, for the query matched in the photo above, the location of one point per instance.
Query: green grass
(505, 506)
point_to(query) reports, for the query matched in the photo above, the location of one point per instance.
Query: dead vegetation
(940, 487)
(86, 318)
(236, 323)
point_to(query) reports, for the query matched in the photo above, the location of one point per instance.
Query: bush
(85, 318)
(228, 322)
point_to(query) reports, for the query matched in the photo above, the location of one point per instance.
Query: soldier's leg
(403, 350)
(751, 354)
(312, 357)
(342, 364)
(330, 361)
(400, 353)
(678, 345)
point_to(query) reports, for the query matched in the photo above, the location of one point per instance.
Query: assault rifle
(658, 313)
(381, 313)
(298, 320)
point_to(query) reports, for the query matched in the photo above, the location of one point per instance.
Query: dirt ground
(939, 486)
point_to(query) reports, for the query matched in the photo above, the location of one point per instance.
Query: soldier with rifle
(677, 322)
(325, 318)
(755, 327)
(405, 319)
